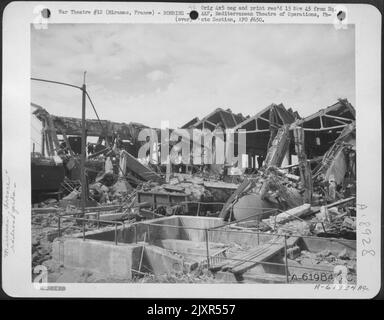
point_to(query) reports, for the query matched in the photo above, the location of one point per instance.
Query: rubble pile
(110, 191)
(196, 276)
(279, 187)
(326, 257)
(312, 195)
(337, 222)
(41, 248)
(192, 187)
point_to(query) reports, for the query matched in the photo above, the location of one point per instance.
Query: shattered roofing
(219, 116)
(284, 114)
(338, 114)
(284, 117)
(190, 123)
(342, 108)
(72, 126)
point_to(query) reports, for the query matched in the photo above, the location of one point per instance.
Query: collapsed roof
(225, 118)
(96, 128)
(324, 127)
(262, 127)
(321, 128)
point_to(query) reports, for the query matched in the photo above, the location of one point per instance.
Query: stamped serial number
(365, 232)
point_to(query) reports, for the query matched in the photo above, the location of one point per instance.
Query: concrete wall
(238, 237)
(163, 229)
(159, 261)
(167, 231)
(333, 245)
(98, 256)
(198, 222)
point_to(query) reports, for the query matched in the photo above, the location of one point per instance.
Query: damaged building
(291, 209)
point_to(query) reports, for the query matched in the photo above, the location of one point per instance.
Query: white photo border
(16, 266)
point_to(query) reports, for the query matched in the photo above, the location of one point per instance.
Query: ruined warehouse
(287, 207)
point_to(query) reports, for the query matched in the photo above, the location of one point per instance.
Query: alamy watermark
(194, 146)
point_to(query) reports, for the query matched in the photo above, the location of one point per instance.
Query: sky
(151, 72)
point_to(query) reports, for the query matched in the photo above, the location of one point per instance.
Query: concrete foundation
(178, 243)
(98, 256)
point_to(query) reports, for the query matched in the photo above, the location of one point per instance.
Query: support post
(115, 233)
(278, 147)
(83, 151)
(43, 139)
(304, 166)
(58, 225)
(142, 252)
(148, 234)
(286, 258)
(168, 170)
(207, 245)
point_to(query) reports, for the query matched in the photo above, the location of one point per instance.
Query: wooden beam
(211, 123)
(342, 122)
(42, 140)
(279, 147)
(255, 117)
(292, 214)
(261, 118)
(68, 145)
(227, 205)
(142, 171)
(325, 128)
(53, 134)
(49, 143)
(233, 118)
(304, 167)
(339, 118)
(256, 131)
(224, 121)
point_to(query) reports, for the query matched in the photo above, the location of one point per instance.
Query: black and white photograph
(106, 207)
(211, 144)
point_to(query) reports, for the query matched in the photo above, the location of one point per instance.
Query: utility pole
(49, 142)
(84, 187)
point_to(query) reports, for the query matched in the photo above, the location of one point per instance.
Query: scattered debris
(313, 197)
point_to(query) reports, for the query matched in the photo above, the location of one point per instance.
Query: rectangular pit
(179, 243)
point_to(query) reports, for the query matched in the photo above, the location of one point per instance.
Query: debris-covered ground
(315, 196)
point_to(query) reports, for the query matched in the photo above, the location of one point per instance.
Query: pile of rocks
(41, 251)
